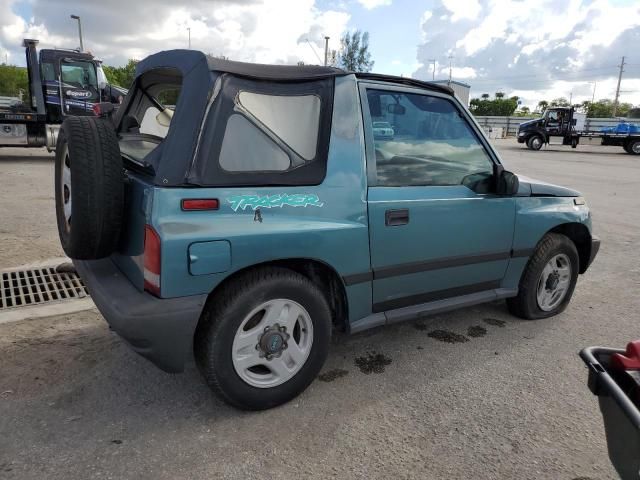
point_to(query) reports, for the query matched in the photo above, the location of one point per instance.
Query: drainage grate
(34, 286)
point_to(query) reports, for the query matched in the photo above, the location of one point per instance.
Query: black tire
(525, 305)
(223, 316)
(535, 142)
(88, 146)
(633, 147)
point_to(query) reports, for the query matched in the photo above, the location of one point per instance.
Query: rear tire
(230, 343)
(554, 262)
(89, 187)
(535, 142)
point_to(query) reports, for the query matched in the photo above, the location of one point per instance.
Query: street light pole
(326, 51)
(433, 60)
(76, 17)
(189, 28)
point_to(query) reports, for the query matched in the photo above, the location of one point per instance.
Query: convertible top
(186, 60)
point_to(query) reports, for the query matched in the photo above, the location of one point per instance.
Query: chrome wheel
(635, 148)
(272, 343)
(554, 282)
(65, 180)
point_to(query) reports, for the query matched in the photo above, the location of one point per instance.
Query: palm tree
(499, 95)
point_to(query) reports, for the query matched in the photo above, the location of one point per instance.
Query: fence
(510, 125)
(8, 101)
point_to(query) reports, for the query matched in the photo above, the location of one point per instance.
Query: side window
(252, 136)
(423, 140)
(246, 149)
(265, 133)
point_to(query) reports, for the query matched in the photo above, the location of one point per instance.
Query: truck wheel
(548, 280)
(264, 338)
(89, 187)
(535, 142)
(633, 147)
(574, 143)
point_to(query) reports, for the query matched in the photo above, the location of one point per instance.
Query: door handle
(393, 218)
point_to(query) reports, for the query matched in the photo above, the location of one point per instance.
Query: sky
(538, 50)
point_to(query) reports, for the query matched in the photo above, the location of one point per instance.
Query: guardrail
(509, 125)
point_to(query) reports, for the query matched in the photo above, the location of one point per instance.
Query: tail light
(151, 261)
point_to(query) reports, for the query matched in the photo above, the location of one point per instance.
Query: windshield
(79, 74)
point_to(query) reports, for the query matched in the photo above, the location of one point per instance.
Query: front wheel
(535, 142)
(548, 280)
(264, 338)
(633, 147)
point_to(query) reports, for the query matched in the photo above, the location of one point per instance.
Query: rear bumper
(158, 329)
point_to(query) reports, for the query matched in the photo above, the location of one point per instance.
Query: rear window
(266, 133)
(149, 115)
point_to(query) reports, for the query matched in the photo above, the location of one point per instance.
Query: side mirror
(507, 183)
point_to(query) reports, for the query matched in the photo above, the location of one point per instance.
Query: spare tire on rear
(89, 187)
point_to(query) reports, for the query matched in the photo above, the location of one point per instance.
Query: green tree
(499, 106)
(559, 102)
(634, 113)
(121, 76)
(543, 105)
(13, 80)
(354, 53)
(485, 96)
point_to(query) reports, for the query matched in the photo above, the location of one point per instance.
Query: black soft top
(199, 72)
(186, 60)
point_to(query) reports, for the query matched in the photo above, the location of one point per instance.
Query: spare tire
(89, 187)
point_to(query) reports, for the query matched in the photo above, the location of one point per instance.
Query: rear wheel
(89, 187)
(535, 142)
(548, 280)
(264, 338)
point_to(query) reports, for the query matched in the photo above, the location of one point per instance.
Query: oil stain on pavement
(332, 375)
(447, 336)
(476, 331)
(372, 362)
(494, 322)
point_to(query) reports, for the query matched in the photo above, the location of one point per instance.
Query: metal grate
(34, 286)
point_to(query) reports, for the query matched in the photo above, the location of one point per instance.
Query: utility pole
(593, 96)
(450, 63)
(76, 17)
(433, 60)
(570, 97)
(326, 51)
(615, 102)
(189, 29)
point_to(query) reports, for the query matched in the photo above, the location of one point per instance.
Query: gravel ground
(471, 394)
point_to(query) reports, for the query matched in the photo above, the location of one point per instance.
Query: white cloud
(266, 31)
(559, 46)
(462, 9)
(370, 4)
(463, 72)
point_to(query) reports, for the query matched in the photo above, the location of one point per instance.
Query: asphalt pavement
(489, 397)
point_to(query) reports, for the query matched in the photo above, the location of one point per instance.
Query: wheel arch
(320, 273)
(580, 235)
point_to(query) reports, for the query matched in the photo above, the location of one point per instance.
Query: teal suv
(261, 211)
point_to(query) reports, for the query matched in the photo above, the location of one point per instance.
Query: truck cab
(62, 83)
(562, 122)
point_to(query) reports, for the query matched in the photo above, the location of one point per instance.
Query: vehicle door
(436, 228)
